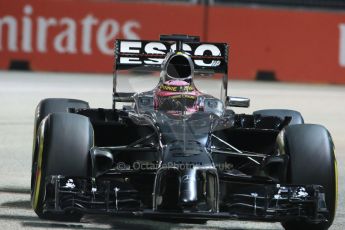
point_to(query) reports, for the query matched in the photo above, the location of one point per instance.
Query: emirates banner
(78, 36)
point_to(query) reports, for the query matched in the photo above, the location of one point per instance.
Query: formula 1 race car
(175, 152)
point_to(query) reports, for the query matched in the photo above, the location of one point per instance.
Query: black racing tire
(282, 113)
(312, 146)
(65, 140)
(46, 107)
(56, 105)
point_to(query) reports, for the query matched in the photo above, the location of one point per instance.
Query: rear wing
(149, 55)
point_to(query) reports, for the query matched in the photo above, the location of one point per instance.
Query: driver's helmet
(176, 92)
(176, 97)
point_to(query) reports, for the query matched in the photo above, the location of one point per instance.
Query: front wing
(262, 202)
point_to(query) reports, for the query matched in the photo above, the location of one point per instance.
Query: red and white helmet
(176, 92)
(176, 96)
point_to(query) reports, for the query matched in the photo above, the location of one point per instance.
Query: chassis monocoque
(209, 164)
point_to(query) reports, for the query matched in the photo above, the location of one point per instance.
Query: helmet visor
(181, 102)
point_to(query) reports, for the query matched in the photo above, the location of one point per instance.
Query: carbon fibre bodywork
(167, 162)
(160, 174)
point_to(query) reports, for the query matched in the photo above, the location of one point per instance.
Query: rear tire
(312, 146)
(64, 143)
(282, 113)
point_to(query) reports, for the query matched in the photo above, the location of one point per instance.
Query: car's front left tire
(312, 162)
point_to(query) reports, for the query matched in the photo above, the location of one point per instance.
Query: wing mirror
(123, 97)
(237, 101)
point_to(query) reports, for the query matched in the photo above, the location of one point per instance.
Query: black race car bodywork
(210, 164)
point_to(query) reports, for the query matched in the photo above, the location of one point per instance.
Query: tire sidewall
(312, 161)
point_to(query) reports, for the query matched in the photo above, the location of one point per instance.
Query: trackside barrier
(296, 45)
(77, 36)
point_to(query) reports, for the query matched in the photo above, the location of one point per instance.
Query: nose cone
(188, 189)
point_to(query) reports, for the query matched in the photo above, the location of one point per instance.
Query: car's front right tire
(46, 107)
(63, 149)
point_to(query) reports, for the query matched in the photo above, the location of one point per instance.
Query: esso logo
(138, 47)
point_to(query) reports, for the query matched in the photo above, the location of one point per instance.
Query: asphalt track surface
(20, 92)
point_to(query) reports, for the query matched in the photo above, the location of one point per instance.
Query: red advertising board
(65, 35)
(296, 45)
(78, 35)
